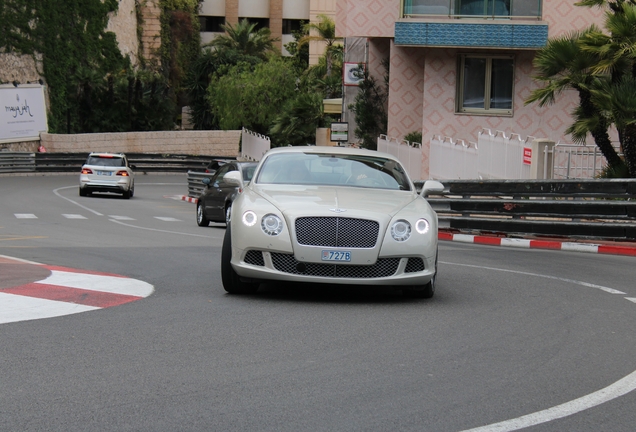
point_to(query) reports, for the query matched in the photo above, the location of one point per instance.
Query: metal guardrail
(11, 162)
(195, 186)
(17, 162)
(594, 209)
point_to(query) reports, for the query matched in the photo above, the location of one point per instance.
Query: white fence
(577, 161)
(453, 159)
(409, 154)
(254, 145)
(503, 157)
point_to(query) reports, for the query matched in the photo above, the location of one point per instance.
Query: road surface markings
(25, 216)
(167, 219)
(67, 291)
(121, 217)
(73, 216)
(620, 388)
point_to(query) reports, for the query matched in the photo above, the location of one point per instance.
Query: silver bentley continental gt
(331, 215)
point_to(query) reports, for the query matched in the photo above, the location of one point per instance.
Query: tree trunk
(599, 133)
(629, 146)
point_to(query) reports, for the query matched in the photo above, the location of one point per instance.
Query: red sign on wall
(527, 156)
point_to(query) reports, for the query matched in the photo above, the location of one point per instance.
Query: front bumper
(399, 271)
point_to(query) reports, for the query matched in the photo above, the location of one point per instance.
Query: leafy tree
(316, 77)
(370, 109)
(563, 64)
(298, 120)
(245, 39)
(208, 65)
(251, 97)
(325, 30)
(299, 53)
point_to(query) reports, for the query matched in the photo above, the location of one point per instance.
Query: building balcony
(484, 9)
(495, 24)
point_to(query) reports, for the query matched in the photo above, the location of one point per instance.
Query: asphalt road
(545, 339)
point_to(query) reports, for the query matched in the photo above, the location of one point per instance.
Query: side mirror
(233, 178)
(206, 181)
(432, 187)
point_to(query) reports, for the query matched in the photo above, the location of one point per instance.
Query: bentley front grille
(337, 232)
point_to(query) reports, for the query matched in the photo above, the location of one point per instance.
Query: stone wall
(123, 23)
(212, 143)
(16, 67)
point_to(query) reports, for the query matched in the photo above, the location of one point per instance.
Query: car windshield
(106, 161)
(333, 169)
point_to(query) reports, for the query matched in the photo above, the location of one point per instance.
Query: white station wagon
(331, 215)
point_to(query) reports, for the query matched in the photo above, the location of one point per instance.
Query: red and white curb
(68, 291)
(539, 244)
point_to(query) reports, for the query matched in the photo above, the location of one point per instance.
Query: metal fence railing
(594, 208)
(14, 162)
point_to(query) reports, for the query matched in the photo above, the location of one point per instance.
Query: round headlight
(249, 218)
(422, 226)
(271, 224)
(401, 230)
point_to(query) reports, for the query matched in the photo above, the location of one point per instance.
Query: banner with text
(22, 113)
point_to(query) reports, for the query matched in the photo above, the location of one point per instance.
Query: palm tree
(325, 30)
(245, 39)
(618, 102)
(563, 64)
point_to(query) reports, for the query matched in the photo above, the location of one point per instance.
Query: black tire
(126, 195)
(202, 221)
(82, 192)
(132, 190)
(429, 289)
(228, 213)
(231, 280)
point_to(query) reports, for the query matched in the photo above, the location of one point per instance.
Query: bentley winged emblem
(337, 210)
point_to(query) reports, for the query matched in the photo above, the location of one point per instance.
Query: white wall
(254, 8)
(212, 8)
(296, 9)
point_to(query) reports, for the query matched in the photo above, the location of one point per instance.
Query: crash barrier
(17, 162)
(195, 185)
(595, 209)
(11, 162)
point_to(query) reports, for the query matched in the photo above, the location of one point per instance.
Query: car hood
(297, 200)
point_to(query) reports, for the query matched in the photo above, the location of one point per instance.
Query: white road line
(55, 191)
(613, 391)
(585, 284)
(25, 216)
(121, 217)
(73, 216)
(631, 299)
(21, 308)
(103, 283)
(167, 219)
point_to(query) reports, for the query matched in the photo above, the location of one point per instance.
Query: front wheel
(228, 213)
(429, 289)
(231, 280)
(202, 221)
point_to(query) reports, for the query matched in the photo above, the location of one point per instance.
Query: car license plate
(105, 173)
(329, 255)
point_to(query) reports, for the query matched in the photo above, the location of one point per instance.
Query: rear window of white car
(106, 161)
(328, 169)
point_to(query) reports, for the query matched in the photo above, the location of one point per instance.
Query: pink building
(457, 66)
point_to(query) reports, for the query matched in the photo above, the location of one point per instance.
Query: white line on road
(73, 216)
(55, 191)
(613, 391)
(25, 216)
